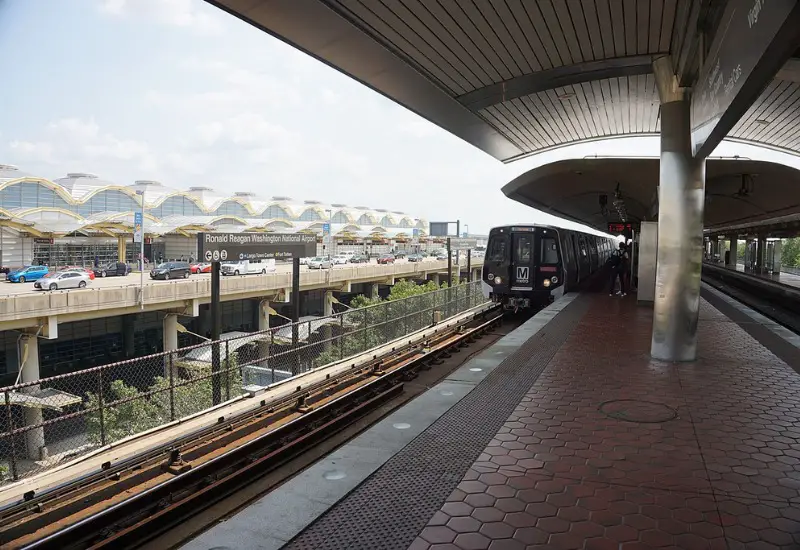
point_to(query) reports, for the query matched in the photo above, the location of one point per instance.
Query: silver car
(63, 279)
(319, 263)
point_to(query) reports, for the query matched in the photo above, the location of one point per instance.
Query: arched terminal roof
(738, 191)
(515, 77)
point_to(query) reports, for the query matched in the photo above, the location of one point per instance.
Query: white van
(247, 267)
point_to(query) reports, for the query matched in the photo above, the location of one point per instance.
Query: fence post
(171, 387)
(366, 315)
(100, 399)
(10, 420)
(227, 371)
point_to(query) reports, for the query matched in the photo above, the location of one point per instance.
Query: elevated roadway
(23, 308)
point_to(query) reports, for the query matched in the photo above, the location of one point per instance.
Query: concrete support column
(761, 254)
(122, 248)
(435, 279)
(170, 325)
(129, 335)
(263, 344)
(34, 439)
(733, 257)
(374, 290)
(777, 256)
(681, 198)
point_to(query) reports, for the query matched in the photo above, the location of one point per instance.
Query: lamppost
(140, 192)
(329, 236)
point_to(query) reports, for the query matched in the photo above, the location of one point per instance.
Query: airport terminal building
(81, 217)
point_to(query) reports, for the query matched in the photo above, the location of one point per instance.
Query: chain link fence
(50, 421)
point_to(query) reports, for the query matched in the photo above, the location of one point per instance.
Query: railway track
(130, 503)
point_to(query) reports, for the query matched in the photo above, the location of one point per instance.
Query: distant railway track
(129, 503)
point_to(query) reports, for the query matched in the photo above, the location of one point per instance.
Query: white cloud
(190, 14)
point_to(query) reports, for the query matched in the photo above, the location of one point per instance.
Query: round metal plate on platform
(333, 475)
(401, 426)
(639, 411)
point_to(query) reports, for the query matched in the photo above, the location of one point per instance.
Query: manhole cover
(634, 410)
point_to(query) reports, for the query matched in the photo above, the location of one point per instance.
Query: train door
(570, 267)
(522, 272)
(583, 258)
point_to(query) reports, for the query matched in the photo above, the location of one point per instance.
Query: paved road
(8, 289)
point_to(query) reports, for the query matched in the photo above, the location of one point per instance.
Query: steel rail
(330, 406)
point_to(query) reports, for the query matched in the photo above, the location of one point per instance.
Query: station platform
(783, 278)
(565, 434)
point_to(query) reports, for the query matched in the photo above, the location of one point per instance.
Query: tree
(790, 254)
(142, 411)
(374, 321)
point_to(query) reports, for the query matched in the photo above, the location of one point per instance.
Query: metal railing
(50, 421)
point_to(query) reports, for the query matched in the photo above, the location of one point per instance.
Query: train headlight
(546, 283)
(554, 280)
(497, 280)
(490, 276)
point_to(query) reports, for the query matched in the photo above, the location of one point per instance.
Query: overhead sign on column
(754, 39)
(463, 244)
(220, 247)
(326, 233)
(415, 236)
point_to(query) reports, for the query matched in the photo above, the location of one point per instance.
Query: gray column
(777, 256)
(170, 325)
(681, 199)
(327, 311)
(761, 253)
(263, 325)
(374, 289)
(733, 257)
(34, 439)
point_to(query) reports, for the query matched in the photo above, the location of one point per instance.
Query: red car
(89, 272)
(200, 268)
(386, 259)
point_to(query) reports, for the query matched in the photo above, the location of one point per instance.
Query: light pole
(329, 236)
(141, 251)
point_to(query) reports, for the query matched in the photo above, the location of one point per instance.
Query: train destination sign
(463, 244)
(221, 247)
(754, 39)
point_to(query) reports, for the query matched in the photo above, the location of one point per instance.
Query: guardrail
(49, 421)
(42, 304)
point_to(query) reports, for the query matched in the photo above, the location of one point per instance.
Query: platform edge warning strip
(392, 506)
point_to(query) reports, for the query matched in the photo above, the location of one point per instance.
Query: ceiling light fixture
(763, 121)
(566, 95)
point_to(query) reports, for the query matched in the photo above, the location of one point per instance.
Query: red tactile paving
(613, 450)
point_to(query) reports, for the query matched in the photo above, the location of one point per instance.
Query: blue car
(27, 274)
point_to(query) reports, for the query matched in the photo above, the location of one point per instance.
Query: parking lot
(8, 289)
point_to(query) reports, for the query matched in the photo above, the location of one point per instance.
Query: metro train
(529, 265)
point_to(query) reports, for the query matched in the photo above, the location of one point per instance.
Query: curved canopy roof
(515, 77)
(738, 191)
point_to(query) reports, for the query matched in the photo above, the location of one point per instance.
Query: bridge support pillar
(263, 343)
(170, 325)
(761, 254)
(435, 279)
(34, 438)
(374, 290)
(681, 199)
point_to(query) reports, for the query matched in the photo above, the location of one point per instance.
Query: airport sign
(137, 227)
(462, 244)
(221, 247)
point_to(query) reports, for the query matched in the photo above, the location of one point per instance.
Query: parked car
(399, 254)
(89, 272)
(247, 267)
(319, 263)
(200, 268)
(415, 258)
(171, 270)
(63, 279)
(340, 259)
(386, 259)
(28, 273)
(359, 259)
(113, 269)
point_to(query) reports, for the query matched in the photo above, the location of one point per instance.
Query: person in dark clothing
(618, 266)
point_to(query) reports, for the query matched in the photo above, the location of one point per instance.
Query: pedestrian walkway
(579, 440)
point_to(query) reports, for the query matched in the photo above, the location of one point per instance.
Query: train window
(522, 248)
(497, 249)
(549, 251)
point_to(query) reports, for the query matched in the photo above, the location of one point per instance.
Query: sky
(180, 92)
